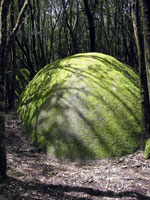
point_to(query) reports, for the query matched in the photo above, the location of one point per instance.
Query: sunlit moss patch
(85, 106)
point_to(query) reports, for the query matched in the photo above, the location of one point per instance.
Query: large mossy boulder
(85, 106)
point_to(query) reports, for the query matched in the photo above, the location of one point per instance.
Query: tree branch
(20, 21)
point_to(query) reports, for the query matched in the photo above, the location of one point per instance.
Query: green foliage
(22, 80)
(2, 197)
(147, 149)
(85, 106)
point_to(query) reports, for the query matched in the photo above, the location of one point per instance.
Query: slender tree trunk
(145, 107)
(4, 4)
(4, 50)
(41, 45)
(33, 35)
(90, 18)
(12, 77)
(146, 32)
(19, 22)
(74, 45)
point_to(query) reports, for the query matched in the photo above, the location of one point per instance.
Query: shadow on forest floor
(43, 191)
(32, 175)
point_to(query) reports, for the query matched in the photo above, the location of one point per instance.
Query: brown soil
(33, 176)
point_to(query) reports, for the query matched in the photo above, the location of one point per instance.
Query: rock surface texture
(86, 106)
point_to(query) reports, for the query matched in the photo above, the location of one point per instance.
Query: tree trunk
(2, 129)
(4, 4)
(90, 16)
(146, 32)
(11, 80)
(35, 59)
(145, 107)
(4, 50)
(74, 45)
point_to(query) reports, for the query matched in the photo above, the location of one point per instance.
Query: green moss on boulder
(85, 106)
(147, 149)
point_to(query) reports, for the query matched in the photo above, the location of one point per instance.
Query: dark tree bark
(41, 46)
(90, 16)
(4, 4)
(145, 107)
(146, 32)
(18, 23)
(74, 48)
(4, 50)
(33, 34)
(11, 76)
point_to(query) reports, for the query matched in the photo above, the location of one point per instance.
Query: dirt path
(32, 176)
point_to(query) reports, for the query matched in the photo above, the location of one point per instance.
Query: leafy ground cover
(32, 175)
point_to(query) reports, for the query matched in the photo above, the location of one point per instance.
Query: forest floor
(33, 176)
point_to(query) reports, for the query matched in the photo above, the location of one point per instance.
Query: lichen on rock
(85, 106)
